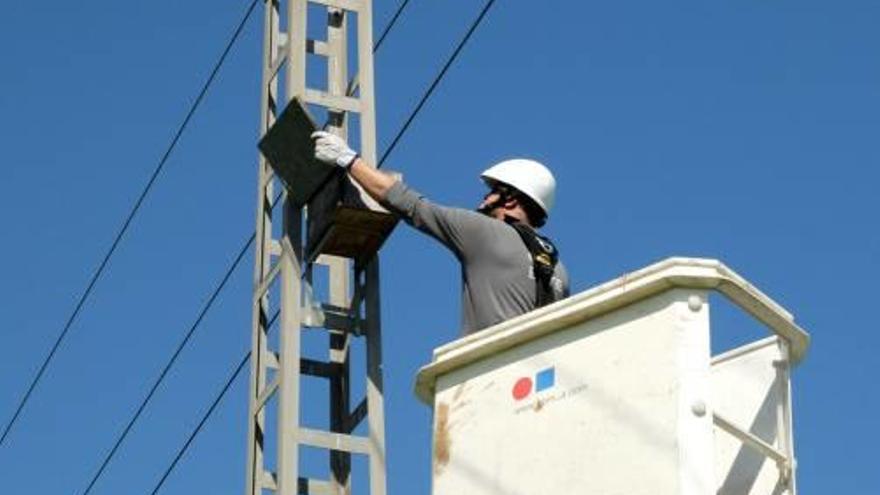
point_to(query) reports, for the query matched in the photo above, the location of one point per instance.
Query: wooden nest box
(342, 219)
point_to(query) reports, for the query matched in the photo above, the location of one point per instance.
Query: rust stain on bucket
(442, 440)
(458, 391)
(539, 404)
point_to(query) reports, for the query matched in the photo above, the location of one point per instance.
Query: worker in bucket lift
(507, 267)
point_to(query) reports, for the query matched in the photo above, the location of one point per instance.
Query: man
(507, 268)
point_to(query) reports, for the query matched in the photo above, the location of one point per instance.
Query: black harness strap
(544, 259)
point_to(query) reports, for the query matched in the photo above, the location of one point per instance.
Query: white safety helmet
(528, 176)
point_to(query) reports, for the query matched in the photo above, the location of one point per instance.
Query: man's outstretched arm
(374, 181)
(453, 227)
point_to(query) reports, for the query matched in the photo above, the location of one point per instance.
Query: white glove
(333, 150)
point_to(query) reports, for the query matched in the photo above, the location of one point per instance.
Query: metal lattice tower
(283, 277)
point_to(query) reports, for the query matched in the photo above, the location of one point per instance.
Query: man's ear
(511, 203)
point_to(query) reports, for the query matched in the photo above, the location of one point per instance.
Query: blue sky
(742, 130)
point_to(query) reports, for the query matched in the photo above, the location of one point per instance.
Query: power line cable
(436, 81)
(168, 365)
(390, 25)
(247, 356)
(208, 413)
(172, 360)
(137, 205)
(198, 428)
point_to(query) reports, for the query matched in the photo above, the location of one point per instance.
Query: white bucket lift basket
(614, 391)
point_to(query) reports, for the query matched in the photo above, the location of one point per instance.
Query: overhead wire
(198, 427)
(433, 86)
(127, 223)
(244, 249)
(207, 414)
(390, 25)
(247, 355)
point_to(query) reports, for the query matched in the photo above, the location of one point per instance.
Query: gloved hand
(333, 150)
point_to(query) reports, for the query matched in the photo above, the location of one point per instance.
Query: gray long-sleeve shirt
(498, 280)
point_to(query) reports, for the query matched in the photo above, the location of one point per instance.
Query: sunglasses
(501, 190)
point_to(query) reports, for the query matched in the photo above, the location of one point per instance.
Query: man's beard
(487, 209)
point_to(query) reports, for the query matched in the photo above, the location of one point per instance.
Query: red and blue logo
(543, 380)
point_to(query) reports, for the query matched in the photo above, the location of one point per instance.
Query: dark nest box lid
(342, 219)
(289, 148)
